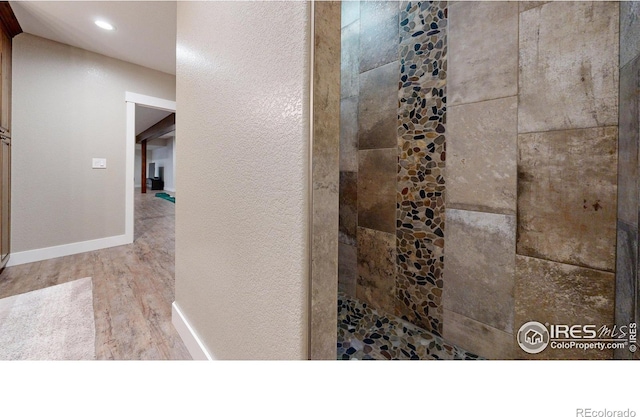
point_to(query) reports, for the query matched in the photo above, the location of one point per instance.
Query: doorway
(133, 101)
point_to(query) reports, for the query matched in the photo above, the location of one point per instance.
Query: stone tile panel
(568, 66)
(477, 337)
(482, 141)
(628, 140)
(377, 189)
(567, 196)
(483, 49)
(376, 268)
(348, 207)
(347, 269)
(479, 271)
(378, 107)
(379, 33)
(555, 293)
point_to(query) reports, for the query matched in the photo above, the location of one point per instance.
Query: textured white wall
(241, 216)
(68, 107)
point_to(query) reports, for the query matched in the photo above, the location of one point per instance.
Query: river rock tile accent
(588, 78)
(366, 333)
(423, 69)
(567, 196)
(484, 51)
(421, 162)
(419, 303)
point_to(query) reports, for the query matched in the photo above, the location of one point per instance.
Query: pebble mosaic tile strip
(363, 333)
(421, 161)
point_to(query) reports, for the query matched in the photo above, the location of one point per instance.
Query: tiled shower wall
(392, 157)
(628, 198)
(531, 171)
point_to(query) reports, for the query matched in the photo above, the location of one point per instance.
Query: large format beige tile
(378, 107)
(567, 196)
(628, 141)
(350, 12)
(325, 187)
(349, 60)
(555, 293)
(376, 269)
(347, 269)
(348, 207)
(349, 134)
(477, 337)
(526, 5)
(479, 267)
(377, 189)
(482, 52)
(629, 31)
(378, 33)
(626, 273)
(568, 66)
(482, 142)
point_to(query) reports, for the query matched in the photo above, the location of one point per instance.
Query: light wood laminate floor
(133, 286)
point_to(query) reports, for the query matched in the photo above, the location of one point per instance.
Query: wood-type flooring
(133, 286)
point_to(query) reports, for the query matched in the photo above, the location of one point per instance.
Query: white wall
(163, 157)
(242, 90)
(68, 107)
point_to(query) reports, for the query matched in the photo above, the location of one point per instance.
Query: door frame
(133, 99)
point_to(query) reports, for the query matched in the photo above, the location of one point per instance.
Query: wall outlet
(99, 163)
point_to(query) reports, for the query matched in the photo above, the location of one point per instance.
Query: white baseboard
(172, 190)
(190, 338)
(35, 255)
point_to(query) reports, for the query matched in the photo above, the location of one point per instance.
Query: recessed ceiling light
(104, 25)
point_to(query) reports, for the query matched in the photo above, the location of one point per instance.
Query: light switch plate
(99, 163)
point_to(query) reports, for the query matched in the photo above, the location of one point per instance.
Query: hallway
(133, 286)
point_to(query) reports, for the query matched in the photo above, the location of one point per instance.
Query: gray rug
(54, 323)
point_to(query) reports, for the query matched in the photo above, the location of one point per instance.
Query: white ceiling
(147, 117)
(145, 30)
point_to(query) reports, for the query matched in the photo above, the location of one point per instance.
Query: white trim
(131, 100)
(173, 155)
(148, 101)
(130, 166)
(35, 255)
(190, 338)
(173, 190)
